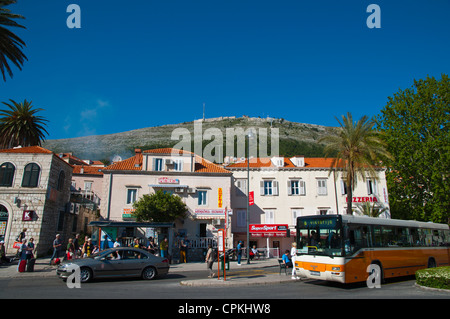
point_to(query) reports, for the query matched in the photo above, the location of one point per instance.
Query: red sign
(371, 199)
(27, 215)
(251, 198)
(268, 230)
(168, 180)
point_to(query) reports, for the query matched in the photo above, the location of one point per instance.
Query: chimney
(137, 156)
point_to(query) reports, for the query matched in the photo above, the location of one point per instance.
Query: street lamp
(250, 136)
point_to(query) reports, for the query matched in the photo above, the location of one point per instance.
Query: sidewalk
(258, 272)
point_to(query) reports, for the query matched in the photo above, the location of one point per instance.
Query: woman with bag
(70, 249)
(210, 260)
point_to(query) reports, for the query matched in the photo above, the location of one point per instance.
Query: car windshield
(320, 236)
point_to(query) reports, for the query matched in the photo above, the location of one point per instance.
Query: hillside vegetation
(295, 138)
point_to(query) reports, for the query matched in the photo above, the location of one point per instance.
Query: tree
(357, 148)
(159, 207)
(10, 44)
(21, 126)
(416, 123)
(371, 209)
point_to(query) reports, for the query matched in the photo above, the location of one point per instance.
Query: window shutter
(302, 186)
(261, 188)
(275, 188)
(289, 188)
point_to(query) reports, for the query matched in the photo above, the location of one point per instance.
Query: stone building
(34, 194)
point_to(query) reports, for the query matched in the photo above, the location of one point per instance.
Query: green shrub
(434, 277)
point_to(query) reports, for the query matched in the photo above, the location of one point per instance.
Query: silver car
(116, 262)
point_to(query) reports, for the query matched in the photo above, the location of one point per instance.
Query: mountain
(294, 138)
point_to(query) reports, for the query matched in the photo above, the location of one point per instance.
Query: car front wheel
(85, 274)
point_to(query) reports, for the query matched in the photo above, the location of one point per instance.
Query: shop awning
(109, 223)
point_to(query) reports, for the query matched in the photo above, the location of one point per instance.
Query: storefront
(270, 239)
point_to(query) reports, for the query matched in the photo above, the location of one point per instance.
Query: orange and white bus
(341, 247)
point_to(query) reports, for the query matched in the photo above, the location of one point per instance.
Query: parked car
(116, 262)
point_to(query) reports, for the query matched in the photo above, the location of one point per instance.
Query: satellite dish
(116, 159)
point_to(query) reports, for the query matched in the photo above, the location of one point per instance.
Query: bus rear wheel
(431, 263)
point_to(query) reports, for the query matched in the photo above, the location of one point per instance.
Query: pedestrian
(31, 245)
(3, 257)
(293, 257)
(19, 239)
(183, 251)
(57, 247)
(76, 245)
(163, 247)
(105, 242)
(70, 249)
(151, 245)
(87, 248)
(22, 235)
(117, 243)
(23, 255)
(209, 259)
(239, 252)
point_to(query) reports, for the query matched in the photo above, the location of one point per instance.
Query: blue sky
(138, 64)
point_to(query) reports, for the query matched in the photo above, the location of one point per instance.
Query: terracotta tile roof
(87, 170)
(127, 165)
(135, 163)
(27, 150)
(310, 162)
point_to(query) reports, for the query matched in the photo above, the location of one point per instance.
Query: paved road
(169, 288)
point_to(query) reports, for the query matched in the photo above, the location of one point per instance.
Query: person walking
(164, 246)
(57, 246)
(76, 245)
(23, 251)
(183, 251)
(239, 252)
(70, 249)
(293, 256)
(209, 259)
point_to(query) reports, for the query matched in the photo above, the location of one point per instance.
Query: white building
(203, 186)
(285, 188)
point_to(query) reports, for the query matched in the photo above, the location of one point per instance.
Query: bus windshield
(320, 235)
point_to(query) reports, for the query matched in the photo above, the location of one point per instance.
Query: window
(296, 187)
(60, 225)
(202, 198)
(61, 179)
(241, 187)
(158, 164)
(241, 220)
(343, 187)
(371, 187)
(131, 254)
(31, 175)
(269, 188)
(178, 165)
(131, 195)
(6, 174)
(296, 212)
(270, 216)
(322, 187)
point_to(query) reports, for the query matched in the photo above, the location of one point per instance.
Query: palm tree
(20, 126)
(357, 148)
(10, 44)
(371, 209)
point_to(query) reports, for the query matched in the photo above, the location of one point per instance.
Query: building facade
(286, 188)
(203, 186)
(34, 195)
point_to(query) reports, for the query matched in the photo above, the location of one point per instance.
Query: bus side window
(377, 236)
(414, 237)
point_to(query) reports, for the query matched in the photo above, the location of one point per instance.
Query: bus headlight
(336, 268)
